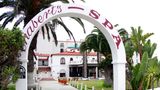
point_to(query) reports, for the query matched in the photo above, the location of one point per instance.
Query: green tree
(144, 73)
(135, 42)
(139, 40)
(92, 42)
(141, 74)
(11, 42)
(97, 42)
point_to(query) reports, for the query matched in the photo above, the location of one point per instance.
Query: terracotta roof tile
(73, 54)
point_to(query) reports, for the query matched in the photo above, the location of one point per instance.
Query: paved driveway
(54, 85)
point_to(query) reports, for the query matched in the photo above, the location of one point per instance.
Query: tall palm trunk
(152, 82)
(98, 60)
(30, 76)
(85, 64)
(108, 75)
(31, 54)
(5, 83)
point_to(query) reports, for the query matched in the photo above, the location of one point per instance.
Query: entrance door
(62, 74)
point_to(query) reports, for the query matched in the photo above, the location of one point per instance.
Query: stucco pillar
(97, 72)
(21, 83)
(119, 76)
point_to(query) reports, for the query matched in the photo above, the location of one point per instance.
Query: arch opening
(92, 16)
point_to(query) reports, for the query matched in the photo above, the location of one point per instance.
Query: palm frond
(80, 22)
(47, 29)
(153, 48)
(7, 3)
(46, 2)
(7, 14)
(67, 30)
(147, 35)
(95, 30)
(54, 36)
(52, 27)
(43, 32)
(8, 19)
(19, 21)
(83, 47)
(63, 1)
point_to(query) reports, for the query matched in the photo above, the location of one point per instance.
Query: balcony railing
(76, 62)
(43, 64)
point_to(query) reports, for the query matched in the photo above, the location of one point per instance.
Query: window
(93, 59)
(42, 63)
(62, 60)
(62, 45)
(62, 73)
(61, 50)
(71, 59)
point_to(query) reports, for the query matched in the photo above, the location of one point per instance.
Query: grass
(98, 84)
(11, 87)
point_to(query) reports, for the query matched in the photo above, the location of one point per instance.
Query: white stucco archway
(91, 15)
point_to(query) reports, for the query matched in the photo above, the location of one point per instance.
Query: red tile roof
(73, 54)
(42, 54)
(43, 59)
(65, 53)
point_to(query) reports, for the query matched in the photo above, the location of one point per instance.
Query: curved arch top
(91, 15)
(74, 10)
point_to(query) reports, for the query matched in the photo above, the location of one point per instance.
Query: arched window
(62, 60)
(61, 45)
(71, 59)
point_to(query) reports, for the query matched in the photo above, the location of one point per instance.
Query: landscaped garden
(11, 87)
(98, 84)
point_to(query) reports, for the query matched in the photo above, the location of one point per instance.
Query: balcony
(77, 62)
(43, 63)
(92, 61)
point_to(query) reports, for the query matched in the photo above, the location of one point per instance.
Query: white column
(97, 72)
(119, 78)
(21, 84)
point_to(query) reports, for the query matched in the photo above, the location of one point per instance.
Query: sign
(32, 27)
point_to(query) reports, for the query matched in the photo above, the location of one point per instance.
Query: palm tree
(140, 75)
(152, 72)
(25, 10)
(136, 43)
(97, 42)
(144, 73)
(139, 40)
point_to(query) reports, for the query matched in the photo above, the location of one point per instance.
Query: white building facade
(62, 60)
(70, 64)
